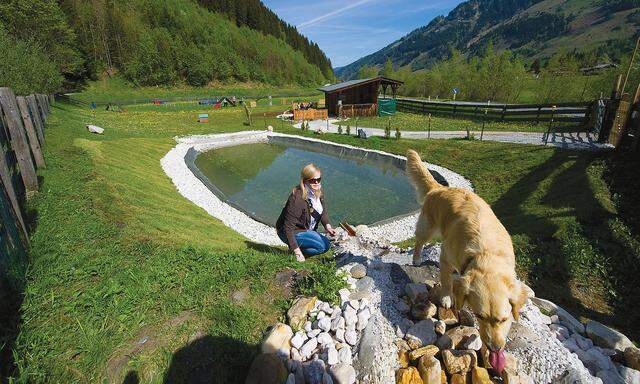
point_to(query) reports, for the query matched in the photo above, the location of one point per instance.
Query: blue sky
(348, 30)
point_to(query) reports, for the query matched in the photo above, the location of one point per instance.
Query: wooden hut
(357, 97)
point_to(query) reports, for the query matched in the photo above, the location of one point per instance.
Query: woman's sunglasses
(314, 181)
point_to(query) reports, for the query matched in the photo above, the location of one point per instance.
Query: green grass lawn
(128, 278)
(417, 122)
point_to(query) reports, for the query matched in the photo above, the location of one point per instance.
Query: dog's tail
(419, 175)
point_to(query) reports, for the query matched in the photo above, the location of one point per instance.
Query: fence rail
(22, 125)
(578, 113)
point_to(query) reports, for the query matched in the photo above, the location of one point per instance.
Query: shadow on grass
(266, 248)
(572, 245)
(210, 359)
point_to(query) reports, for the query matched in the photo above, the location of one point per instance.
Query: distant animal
(477, 262)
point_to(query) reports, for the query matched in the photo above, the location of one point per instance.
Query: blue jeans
(311, 243)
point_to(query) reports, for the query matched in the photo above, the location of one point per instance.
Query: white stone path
(571, 140)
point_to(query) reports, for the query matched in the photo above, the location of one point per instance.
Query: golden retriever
(477, 263)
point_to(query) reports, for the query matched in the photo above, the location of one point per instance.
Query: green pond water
(257, 178)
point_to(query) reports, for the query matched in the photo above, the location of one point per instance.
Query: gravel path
(578, 141)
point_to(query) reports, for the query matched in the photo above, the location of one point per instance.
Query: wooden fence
(358, 110)
(22, 126)
(310, 114)
(578, 113)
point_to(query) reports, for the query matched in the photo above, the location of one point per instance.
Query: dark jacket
(296, 217)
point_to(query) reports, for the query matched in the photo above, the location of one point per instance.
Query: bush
(339, 129)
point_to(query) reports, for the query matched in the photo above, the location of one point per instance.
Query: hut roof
(353, 83)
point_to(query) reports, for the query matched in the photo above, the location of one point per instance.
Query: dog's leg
(424, 233)
(446, 279)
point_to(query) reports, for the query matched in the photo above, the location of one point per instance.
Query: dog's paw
(446, 301)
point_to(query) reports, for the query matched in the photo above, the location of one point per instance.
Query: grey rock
(545, 306)
(630, 376)
(427, 274)
(466, 318)
(351, 337)
(415, 291)
(422, 333)
(350, 316)
(569, 321)
(338, 322)
(594, 360)
(291, 379)
(345, 354)
(560, 329)
(365, 284)
(554, 319)
(472, 342)
(358, 271)
(337, 312)
(610, 377)
(402, 307)
(606, 337)
(343, 374)
(582, 342)
(326, 378)
(440, 327)
(571, 345)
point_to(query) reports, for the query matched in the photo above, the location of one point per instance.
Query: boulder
(429, 350)
(467, 318)
(459, 335)
(547, 307)
(277, 340)
(594, 360)
(421, 333)
(459, 361)
(358, 271)
(458, 379)
(409, 375)
(606, 337)
(430, 370)
(343, 374)
(423, 310)
(416, 292)
(298, 312)
(632, 357)
(448, 315)
(480, 375)
(403, 358)
(267, 368)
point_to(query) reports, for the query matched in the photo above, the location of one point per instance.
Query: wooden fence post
(34, 142)
(35, 113)
(19, 141)
(6, 155)
(41, 108)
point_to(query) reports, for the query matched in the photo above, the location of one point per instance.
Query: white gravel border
(175, 166)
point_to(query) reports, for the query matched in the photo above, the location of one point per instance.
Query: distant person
(305, 209)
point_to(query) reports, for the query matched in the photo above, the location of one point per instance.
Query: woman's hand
(299, 255)
(330, 230)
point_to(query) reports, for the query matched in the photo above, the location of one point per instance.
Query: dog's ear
(520, 294)
(460, 288)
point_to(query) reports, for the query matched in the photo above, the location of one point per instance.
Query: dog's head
(495, 300)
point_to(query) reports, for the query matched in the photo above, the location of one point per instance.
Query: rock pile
(440, 345)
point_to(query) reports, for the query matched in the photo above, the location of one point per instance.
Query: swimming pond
(258, 177)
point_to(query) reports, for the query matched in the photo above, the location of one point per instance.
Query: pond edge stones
(178, 165)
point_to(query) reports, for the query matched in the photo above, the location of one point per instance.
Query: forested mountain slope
(150, 43)
(530, 28)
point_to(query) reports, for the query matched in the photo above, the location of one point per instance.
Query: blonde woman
(305, 209)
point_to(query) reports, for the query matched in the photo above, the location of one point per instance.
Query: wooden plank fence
(21, 140)
(578, 113)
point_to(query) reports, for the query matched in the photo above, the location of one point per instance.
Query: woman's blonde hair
(307, 173)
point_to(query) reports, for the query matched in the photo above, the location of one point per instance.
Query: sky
(348, 30)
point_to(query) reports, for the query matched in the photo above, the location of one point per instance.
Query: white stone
(606, 337)
(321, 315)
(308, 348)
(351, 337)
(325, 339)
(338, 322)
(343, 374)
(332, 355)
(472, 342)
(295, 354)
(554, 319)
(440, 327)
(354, 304)
(95, 129)
(308, 326)
(335, 312)
(325, 307)
(345, 354)
(569, 321)
(344, 294)
(364, 303)
(298, 339)
(350, 316)
(340, 335)
(561, 330)
(313, 333)
(630, 376)
(362, 323)
(324, 324)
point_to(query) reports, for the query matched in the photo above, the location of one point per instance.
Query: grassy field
(128, 278)
(117, 89)
(416, 122)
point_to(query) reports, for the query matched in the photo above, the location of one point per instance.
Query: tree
(367, 71)
(387, 70)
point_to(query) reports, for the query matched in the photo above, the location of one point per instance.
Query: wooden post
(35, 113)
(34, 143)
(7, 182)
(42, 107)
(19, 141)
(429, 128)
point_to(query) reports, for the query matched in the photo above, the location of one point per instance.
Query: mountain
(530, 28)
(150, 42)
